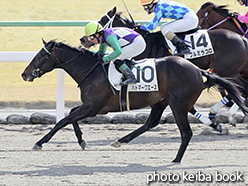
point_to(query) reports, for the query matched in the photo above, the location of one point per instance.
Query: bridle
(205, 19)
(109, 24)
(37, 72)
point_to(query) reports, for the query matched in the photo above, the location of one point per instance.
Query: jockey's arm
(113, 42)
(244, 18)
(154, 23)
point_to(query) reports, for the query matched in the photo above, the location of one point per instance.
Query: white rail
(28, 56)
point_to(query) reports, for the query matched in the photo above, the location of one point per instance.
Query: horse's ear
(114, 10)
(44, 42)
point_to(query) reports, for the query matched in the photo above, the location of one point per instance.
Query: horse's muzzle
(26, 77)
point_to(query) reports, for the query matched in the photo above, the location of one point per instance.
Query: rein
(217, 24)
(109, 24)
(37, 72)
(68, 61)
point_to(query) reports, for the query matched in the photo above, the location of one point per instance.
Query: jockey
(184, 19)
(244, 18)
(125, 42)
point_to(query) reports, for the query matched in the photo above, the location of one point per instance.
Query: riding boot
(125, 70)
(182, 48)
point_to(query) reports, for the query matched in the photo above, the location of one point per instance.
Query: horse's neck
(229, 24)
(80, 66)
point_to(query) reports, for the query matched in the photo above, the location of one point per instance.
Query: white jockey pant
(134, 49)
(189, 21)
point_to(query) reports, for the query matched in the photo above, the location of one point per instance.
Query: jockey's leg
(126, 71)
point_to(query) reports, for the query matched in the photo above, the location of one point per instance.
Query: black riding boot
(125, 70)
(182, 48)
(129, 75)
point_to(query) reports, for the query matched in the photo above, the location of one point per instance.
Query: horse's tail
(213, 80)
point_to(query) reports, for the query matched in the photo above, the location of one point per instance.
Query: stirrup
(183, 52)
(128, 81)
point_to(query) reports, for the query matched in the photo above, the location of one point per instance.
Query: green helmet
(92, 28)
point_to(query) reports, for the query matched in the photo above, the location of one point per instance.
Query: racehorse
(180, 84)
(224, 42)
(212, 16)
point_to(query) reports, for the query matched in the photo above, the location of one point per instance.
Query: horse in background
(212, 16)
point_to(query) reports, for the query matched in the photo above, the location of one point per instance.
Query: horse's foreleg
(78, 132)
(78, 114)
(62, 123)
(152, 121)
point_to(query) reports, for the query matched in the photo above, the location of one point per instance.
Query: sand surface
(208, 159)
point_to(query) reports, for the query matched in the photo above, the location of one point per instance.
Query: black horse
(230, 57)
(180, 84)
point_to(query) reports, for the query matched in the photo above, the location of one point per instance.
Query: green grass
(13, 88)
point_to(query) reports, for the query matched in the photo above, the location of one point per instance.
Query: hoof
(83, 145)
(116, 144)
(233, 123)
(219, 128)
(216, 127)
(37, 147)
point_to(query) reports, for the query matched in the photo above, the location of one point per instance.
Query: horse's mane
(62, 43)
(118, 15)
(221, 9)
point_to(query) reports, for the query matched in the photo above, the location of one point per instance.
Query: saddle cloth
(145, 73)
(199, 44)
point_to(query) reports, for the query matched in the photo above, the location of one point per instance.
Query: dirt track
(62, 162)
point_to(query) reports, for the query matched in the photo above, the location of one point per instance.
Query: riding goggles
(91, 37)
(146, 7)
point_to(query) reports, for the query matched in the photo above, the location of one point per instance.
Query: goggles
(91, 37)
(146, 7)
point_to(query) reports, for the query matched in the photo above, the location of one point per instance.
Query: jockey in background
(243, 18)
(125, 42)
(184, 19)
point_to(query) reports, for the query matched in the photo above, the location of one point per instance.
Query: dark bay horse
(212, 16)
(224, 42)
(180, 84)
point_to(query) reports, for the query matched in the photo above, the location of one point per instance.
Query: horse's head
(211, 14)
(114, 19)
(203, 12)
(109, 20)
(43, 62)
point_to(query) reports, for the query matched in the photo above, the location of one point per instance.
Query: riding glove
(233, 15)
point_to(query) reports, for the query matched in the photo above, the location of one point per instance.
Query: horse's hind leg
(206, 120)
(152, 121)
(181, 117)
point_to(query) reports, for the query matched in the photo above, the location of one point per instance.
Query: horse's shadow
(60, 170)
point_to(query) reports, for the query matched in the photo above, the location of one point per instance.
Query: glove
(99, 58)
(137, 27)
(233, 15)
